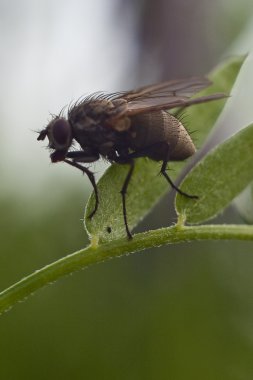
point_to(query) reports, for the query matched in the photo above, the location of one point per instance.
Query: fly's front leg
(83, 156)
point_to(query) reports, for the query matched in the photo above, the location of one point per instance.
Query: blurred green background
(178, 312)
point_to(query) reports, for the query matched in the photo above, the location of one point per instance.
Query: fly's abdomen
(160, 134)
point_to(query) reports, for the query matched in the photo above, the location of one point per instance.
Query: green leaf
(203, 117)
(218, 178)
(147, 187)
(144, 190)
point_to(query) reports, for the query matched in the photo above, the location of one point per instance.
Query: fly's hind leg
(149, 152)
(166, 176)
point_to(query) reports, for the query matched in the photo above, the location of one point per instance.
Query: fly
(122, 127)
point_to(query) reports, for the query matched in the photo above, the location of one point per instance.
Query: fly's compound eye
(59, 134)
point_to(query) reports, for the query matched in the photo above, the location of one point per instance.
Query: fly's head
(59, 134)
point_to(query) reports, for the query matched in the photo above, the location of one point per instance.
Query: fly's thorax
(95, 122)
(90, 109)
(94, 136)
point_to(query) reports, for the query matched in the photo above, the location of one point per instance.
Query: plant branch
(91, 255)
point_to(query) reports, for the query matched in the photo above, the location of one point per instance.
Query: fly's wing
(167, 95)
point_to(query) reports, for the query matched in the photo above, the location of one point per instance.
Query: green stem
(92, 255)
